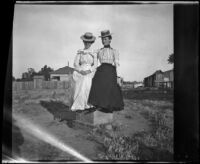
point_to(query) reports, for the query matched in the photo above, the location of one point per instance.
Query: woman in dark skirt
(105, 93)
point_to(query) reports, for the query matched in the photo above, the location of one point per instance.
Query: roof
(169, 71)
(158, 71)
(63, 70)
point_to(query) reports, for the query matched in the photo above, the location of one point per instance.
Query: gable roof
(171, 70)
(63, 70)
(158, 71)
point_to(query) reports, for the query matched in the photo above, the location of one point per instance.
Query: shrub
(120, 148)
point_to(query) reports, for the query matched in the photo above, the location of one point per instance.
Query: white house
(62, 74)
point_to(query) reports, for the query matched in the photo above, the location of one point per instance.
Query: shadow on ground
(59, 111)
(17, 139)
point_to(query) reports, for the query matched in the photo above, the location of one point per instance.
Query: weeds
(128, 116)
(156, 144)
(120, 148)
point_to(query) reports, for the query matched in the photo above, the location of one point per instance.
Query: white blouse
(86, 58)
(109, 55)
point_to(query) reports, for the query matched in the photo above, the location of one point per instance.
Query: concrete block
(102, 118)
(94, 118)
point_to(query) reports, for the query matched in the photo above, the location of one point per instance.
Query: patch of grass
(147, 94)
(120, 148)
(161, 135)
(47, 152)
(128, 116)
(156, 144)
(37, 97)
(112, 146)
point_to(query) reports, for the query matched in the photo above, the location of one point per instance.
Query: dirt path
(32, 147)
(129, 121)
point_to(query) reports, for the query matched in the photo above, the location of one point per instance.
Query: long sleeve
(76, 62)
(116, 61)
(95, 62)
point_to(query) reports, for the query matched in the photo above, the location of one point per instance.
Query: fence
(29, 85)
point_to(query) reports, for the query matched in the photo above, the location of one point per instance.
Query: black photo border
(186, 86)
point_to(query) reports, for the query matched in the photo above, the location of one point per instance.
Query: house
(62, 74)
(168, 78)
(160, 79)
(149, 81)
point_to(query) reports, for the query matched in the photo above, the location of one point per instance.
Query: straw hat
(105, 33)
(88, 37)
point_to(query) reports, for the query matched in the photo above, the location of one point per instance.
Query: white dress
(84, 60)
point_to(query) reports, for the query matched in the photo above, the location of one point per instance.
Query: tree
(46, 72)
(31, 72)
(171, 59)
(28, 76)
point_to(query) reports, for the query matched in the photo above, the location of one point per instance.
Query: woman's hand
(119, 82)
(85, 72)
(88, 72)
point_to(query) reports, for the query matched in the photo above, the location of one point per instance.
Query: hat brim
(105, 36)
(88, 40)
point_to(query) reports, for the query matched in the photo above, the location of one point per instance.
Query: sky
(50, 35)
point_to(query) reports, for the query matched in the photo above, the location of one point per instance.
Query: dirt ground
(26, 104)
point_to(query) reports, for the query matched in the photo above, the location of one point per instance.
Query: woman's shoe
(90, 110)
(79, 111)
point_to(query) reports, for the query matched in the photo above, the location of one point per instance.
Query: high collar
(107, 46)
(86, 49)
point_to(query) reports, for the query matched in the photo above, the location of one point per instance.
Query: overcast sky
(50, 35)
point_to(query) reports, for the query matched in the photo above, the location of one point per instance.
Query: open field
(142, 131)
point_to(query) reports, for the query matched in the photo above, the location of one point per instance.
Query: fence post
(38, 80)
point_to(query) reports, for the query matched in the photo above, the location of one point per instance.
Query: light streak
(42, 135)
(14, 160)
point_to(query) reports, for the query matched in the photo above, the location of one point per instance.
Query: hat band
(88, 37)
(105, 33)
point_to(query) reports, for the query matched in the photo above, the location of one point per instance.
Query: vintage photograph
(93, 82)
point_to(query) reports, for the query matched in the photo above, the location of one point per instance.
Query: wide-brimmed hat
(88, 37)
(105, 33)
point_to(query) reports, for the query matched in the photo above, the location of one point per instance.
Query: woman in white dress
(85, 65)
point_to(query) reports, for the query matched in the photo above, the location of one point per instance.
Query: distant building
(127, 84)
(138, 84)
(160, 79)
(62, 74)
(168, 79)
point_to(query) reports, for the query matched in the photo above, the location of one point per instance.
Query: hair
(89, 42)
(110, 37)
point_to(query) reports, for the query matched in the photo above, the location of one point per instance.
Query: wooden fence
(29, 85)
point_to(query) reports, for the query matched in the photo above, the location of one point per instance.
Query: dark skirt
(105, 93)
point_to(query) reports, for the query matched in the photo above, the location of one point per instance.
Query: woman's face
(87, 44)
(106, 41)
